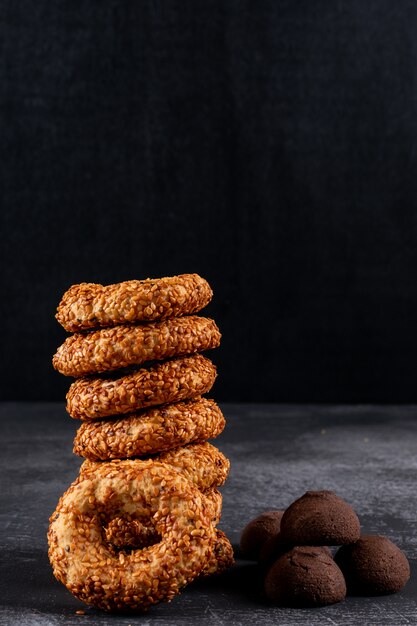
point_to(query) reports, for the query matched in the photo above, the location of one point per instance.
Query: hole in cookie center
(131, 534)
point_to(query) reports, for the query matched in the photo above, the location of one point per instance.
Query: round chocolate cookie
(320, 518)
(258, 531)
(303, 577)
(373, 566)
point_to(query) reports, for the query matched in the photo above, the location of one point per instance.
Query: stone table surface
(366, 454)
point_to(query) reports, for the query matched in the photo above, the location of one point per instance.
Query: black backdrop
(270, 146)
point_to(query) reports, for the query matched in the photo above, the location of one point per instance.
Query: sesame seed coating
(128, 532)
(214, 502)
(89, 305)
(114, 348)
(150, 431)
(222, 556)
(98, 574)
(171, 381)
(201, 463)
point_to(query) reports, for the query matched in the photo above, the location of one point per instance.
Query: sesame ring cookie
(170, 381)
(98, 574)
(148, 432)
(202, 463)
(89, 305)
(114, 348)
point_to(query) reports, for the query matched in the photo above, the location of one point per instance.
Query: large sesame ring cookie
(171, 381)
(114, 348)
(150, 431)
(202, 463)
(102, 576)
(89, 305)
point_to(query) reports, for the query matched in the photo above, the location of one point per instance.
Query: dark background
(270, 146)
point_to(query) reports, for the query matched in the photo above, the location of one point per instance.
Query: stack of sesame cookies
(135, 353)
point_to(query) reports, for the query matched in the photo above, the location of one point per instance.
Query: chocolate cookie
(320, 518)
(373, 566)
(258, 531)
(304, 577)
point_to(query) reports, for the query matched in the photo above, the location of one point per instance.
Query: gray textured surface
(366, 454)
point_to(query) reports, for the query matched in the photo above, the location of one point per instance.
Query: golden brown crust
(213, 500)
(150, 431)
(114, 348)
(128, 532)
(101, 576)
(170, 381)
(89, 305)
(222, 556)
(201, 463)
